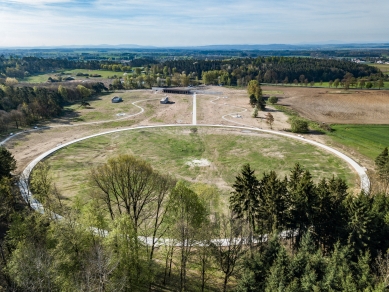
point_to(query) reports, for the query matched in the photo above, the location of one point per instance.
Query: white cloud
(177, 22)
(36, 2)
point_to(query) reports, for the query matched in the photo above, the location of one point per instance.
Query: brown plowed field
(331, 105)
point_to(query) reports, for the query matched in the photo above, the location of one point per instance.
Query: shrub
(255, 112)
(299, 125)
(82, 74)
(273, 99)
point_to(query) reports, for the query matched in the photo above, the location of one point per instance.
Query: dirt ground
(337, 106)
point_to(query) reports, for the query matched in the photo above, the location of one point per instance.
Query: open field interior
(212, 156)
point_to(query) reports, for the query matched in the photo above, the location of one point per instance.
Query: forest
(141, 230)
(264, 69)
(276, 69)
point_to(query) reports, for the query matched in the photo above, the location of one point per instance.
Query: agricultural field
(383, 67)
(369, 140)
(338, 106)
(207, 155)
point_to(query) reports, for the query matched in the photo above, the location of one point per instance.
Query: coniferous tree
(382, 168)
(244, 198)
(7, 162)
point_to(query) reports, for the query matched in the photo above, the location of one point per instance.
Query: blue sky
(183, 23)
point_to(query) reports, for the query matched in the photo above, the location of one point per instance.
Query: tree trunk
(225, 282)
(171, 262)
(203, 275)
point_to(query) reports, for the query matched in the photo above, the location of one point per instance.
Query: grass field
(40, 78)
(368, 140)
(103, 73)
(383, 67)
(170, 149)
(102, 108)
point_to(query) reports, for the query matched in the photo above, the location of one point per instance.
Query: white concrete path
(36, 205)
(194, 113)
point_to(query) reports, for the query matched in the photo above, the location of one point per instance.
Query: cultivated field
(383, 67)
(212, 156)
(369, 140)
(338, 106)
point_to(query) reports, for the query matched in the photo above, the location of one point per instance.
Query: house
(117, 99)
(164, 100)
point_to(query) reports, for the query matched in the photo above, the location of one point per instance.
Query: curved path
(82, 124)
(365, 182)
(36, 205)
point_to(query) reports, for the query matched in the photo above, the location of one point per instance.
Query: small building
(176, 91)
(164, 100)
(117, 99)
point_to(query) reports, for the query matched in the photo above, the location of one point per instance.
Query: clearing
(221, 152)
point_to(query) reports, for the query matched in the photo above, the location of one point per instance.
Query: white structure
(164, 100)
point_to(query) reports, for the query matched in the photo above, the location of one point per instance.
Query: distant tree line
(273, 70)
(240, 71)
(26, 66)
(234, 71)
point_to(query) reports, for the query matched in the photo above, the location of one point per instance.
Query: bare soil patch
(234, 106)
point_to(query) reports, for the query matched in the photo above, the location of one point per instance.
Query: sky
(32, 23)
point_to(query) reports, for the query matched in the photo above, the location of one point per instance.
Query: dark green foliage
(299, 125)
(244, 198)
(382, 167)
(253, 100)
(273, 99)
(20, 68)
(308, 270)
(336, 236)
(7, 162)
(273, 205)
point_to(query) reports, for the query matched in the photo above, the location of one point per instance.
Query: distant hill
(238, 47)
